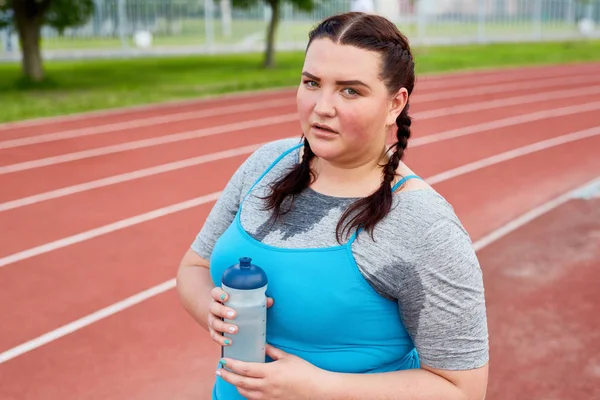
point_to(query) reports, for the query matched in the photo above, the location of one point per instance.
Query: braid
(296, 180)
(404, 121)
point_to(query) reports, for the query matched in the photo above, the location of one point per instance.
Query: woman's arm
(292, 378)
(194, 286)
(416, 384)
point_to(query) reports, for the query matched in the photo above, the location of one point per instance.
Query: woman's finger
(240, 381)
(218, 294)
(270, 301)
(221, 326)
(217, 336)
(219, 310)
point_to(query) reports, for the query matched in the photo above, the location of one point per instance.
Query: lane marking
(283, 102)
(589, 192)
(120, 111)
(505, 75)
(510, 101)
(172, 166)
(85, 321)
(128, 176)
(515, 153)
(144, 143)
(100, 151)
(112, 227)
(139, 123)
(171, 283)
(533, 214)
(505, 122)
(157, 213)
(481, 76)
(503, 87)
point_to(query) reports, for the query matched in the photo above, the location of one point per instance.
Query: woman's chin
(325, 149)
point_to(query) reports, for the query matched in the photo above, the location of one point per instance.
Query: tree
(275, 5)
(30, 15)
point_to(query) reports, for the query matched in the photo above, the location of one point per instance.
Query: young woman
(375, 291)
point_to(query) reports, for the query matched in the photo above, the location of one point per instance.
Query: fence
(193, 26)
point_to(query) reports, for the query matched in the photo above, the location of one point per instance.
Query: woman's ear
(396, 105)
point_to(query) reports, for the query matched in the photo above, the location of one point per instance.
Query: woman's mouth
(323, 128)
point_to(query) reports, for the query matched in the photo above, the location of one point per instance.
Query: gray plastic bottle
(246, 286)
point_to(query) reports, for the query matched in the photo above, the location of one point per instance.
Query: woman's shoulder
(269, 152)
(424, 202)
(415, 212)
(265, 155)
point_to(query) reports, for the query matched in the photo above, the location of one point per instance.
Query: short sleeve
(444, 307)
(225, 209)
(222, 213)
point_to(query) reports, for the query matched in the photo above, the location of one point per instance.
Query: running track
(97, 209)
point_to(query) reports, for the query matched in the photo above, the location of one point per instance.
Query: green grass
(89, 85)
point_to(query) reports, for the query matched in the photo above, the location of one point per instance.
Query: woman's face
(345, 109)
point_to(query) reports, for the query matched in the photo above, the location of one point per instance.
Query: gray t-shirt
(421, 257)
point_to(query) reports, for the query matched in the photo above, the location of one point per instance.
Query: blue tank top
(325, 312)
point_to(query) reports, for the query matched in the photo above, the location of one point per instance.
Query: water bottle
(246, 286)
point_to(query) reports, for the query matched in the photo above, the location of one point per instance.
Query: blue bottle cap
(244, 276)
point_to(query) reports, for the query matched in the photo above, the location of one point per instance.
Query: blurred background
(96, 209)
(192, 48)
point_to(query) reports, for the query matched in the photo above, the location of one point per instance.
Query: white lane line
(510, 101)
(100, 151)
(171, 283)
(532, 214)
(433, 138)
(128, 176)
(119, 111)
(433, 81)
(217, 111)
(505, 87)
(453, 173)
(511, 154)
(85, 321)
(503, 123)
(503, 75)
(590, 192)
(103, 230)
(151, 121)
(139, 144)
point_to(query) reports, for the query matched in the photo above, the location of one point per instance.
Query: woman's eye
(311, 84)
(351, 92)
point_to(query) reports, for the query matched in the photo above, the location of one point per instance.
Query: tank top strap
(270, 167)
(396, 186)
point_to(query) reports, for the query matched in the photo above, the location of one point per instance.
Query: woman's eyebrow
(349, 83)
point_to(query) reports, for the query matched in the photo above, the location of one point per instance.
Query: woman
(374, 291)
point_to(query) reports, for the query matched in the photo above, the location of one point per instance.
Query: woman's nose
(325, 106)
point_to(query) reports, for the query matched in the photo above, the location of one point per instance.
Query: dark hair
(374, 33)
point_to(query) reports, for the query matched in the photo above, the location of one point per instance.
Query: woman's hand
(216, 311)
(287, 377)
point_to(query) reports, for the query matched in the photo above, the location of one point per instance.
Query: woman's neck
(357, 179)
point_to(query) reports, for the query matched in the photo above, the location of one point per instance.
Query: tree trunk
(30, 29)
(270, 51)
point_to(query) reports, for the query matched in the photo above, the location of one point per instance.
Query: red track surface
(539, 279)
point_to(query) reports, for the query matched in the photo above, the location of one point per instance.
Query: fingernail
(222, 362)
(218, 373)
(227, 342)
(231, 329)
(223, 296)
(230, 314)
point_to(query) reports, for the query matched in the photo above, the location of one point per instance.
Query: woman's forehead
(328, 60)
